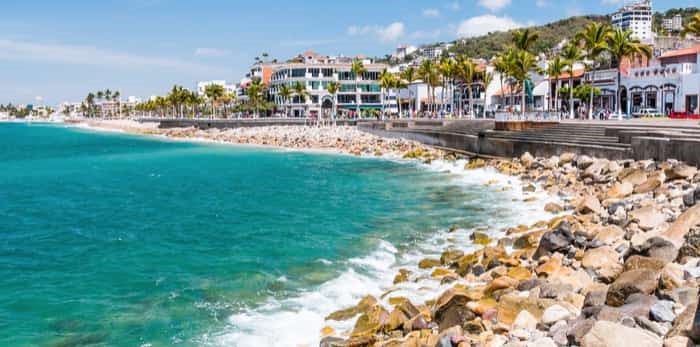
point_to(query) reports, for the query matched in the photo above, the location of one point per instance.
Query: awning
(362, 107)
(541, 89)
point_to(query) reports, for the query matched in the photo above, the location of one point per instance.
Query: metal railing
(536, 116)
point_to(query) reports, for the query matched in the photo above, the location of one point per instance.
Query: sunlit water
(118, 240)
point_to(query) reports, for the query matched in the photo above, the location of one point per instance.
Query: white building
(316, 72)
(202, 86)
(637, 18)
(435, 52)
(403, 51)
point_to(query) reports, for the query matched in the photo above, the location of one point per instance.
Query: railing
(538, 116)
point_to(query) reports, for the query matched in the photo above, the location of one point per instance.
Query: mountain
(550, 35)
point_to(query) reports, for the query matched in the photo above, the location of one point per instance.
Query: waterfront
(128, 240)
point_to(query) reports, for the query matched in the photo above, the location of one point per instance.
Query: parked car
(617, 116)
(646, 113)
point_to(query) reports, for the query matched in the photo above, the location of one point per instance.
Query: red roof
(565, 75)
(681, 52)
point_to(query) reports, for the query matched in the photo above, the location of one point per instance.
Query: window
(346, 99)
(296, 73)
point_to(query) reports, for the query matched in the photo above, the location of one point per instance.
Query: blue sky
(60, 50)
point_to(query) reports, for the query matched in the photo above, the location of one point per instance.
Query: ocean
(111, 239)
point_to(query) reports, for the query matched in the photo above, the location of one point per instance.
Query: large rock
(637, 262)
(649, 185)
(620, 190)
(647, 217)
(527, 159)
(370, 322)
(450, 256)
(596, 169)
(691, 246)
(363, 306)
(557, 240)
(609, 334)
(658, 247)
(510, 305)
(609, 234)
(688, 323)
(451, 309)
(636, 305)
(680, 228)
(589, 204)
(633, 177)
(681, 172)
(555, 313)
(631, 282)
(604, 262)
(566, 158)
(584, 161)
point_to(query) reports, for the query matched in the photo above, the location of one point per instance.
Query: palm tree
(501, 66)
(692, 27)
(571, 55)
(300, 91)
(409, 75)
(446, 68)
(398, 85)
(285, 93)
(116, 96)
(622, 45)
(256, 95)
(333, 88)
(428, 73)
(108, 94)
(523, 64)
(214, 92)
(465, 69)
(90, 100)
(555, 68)
(524, 38)
(595, 41)
(386, 82)
(357, 69)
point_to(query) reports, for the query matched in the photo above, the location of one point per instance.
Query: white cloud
(454, 6)
(211, 52)
(86, 55)
(389, 33)
(482, 25)
(431, 12)
(494, 5)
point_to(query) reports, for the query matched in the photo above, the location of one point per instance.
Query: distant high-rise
(636, 17)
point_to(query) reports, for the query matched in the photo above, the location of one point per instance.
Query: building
(434, 52)
(674, 23)
(404, 51)
(316, 72)
(202, 86)
(669, 84)
(637, 18)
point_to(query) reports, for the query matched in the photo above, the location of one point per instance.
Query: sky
(54, 51)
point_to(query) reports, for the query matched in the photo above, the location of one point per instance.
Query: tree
(501, 66)
(214, 92)
(595, 41)
(285, 93)
(301, 92)
(90, 101)
(333, 88)
(177, 98)
(524, 38)
(357, 69)
(571, 54)
(692, 27)
(522, 65)
(386, 82)
(465, 70)
(446, 68)
(430, 77)
(117, 96)
(398, 85)
(585, 90)
(256, 95)
(622, 45)
(555, 68)
(409, 75)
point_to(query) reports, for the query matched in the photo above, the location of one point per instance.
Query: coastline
(600, 251)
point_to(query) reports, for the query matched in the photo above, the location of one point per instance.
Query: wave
(297, 321)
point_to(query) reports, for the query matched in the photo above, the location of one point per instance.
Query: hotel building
(636, 18)
(316, 72)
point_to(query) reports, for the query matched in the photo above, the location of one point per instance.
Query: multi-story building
(674, 23)
(202, 86)
(637, 18)
(316, 72)
(670, 83)
(403, 51)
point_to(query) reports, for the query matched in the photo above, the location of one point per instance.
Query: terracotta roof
(565, 75)
(507, 90)
(681, 52)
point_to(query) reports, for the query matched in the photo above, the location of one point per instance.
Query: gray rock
(654, 327)
(691, 246)
(558, 240)
(662, 311)
(658, 247)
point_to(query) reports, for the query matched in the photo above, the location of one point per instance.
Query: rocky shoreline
(619, 268)
(620, 265)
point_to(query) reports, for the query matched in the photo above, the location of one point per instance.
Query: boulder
(633, 176)
(649, 185)
(647, 217)
(631, 282)
(428, 263)
(584, 161)
(555, 313)
(637, 262)
(636, 305)
(450, 256)
(525, 320)
(566, 158)
(688, 323)
(510, 305)
(553, 208)
(363, 306)
(451, 309)
(620, 190)
(370, 322)
(527, 159)
(662, 311)
(589, 204)
(608, 334)
(557, 240)
(658, 247)
(609, 234)
(604, 262)
(680, 228)
(597, 168)
(681, 171)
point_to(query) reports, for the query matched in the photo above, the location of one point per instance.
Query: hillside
(550, 35)
(686, 13)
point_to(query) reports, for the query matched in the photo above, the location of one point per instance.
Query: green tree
(465, 70)
(214, 92)
(622, 45)
(300, 91)
(571, 54)
(357, 69)
(595, 41)
(446, 68)
(555, 68)
(409, 75)
(285, 93)
(523, 39)
(522, 65)
(333, 88)
(386, 82)
(256, 96)
(692, 27)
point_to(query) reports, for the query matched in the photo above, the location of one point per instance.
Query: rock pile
(620, 267)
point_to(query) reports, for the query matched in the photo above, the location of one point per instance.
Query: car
(646, 113)
(617, 116)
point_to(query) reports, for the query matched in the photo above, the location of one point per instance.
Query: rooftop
(681, 52)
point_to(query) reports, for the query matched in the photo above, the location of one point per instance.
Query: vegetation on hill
(686, 13)
(550, 35)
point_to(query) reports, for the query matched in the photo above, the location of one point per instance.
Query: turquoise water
(118, 240)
